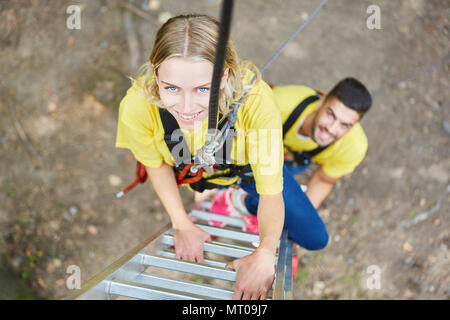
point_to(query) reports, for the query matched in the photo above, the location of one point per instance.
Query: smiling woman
(185, 99)
(171, 95)
(194, 39)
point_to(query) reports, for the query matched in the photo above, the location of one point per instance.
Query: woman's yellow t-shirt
(258, 140)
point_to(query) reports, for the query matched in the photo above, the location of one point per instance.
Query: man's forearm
(318, 192)
(164, 183)
(319, 187)
(270, 221)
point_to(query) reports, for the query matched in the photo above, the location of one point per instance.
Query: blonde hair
(194, 36)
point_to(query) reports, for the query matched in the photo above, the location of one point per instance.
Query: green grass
(11, 192)
(301, 276)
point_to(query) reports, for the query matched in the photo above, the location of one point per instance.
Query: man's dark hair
(353, 94)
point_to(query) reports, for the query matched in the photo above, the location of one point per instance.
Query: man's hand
(255, 274)
(189, 241)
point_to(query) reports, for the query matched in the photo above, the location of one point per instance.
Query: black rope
(219, 60)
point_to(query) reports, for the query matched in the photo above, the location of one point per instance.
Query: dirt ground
(59, 170)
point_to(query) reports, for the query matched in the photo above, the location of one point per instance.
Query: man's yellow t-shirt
(258, 140)
(339, 159)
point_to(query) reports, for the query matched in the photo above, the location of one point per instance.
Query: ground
(59, 170)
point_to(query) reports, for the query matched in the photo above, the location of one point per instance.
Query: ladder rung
(146, 292)
(214, 263)
(206, 205)
(216, 247)
(185, 286)
(230, 234)
(189, 267)
(232, 221)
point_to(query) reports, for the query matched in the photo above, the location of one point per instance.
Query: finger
(230, 265)
(237, 295)
(247, 295)
(199, 258)
(264, 295)
(208, 238)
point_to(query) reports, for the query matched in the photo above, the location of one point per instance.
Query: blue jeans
(294, 168)
(305, 227)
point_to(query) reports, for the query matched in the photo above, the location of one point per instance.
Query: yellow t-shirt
(258, 140)
(337, 160)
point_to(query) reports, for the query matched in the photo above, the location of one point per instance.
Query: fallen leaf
(114, 180)
(407, 247)
(28, 250)
(50, 267)
(92, 229)
(128, 158)
(422, 202)
(42, 283)
(70, 41)
(408, 294)
(432, 259)
(60, 282)
(51, 107)
(154, 5)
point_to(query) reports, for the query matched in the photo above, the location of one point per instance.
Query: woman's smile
(188, 118)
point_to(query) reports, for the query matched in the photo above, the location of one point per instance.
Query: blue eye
(171, 89)
(203, 90)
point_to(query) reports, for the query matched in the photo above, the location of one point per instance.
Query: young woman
(173, 87)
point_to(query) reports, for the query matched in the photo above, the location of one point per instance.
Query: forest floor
(59, 170)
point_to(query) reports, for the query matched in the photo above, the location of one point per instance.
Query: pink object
(221, 206)
(294, 266)
(250, 223)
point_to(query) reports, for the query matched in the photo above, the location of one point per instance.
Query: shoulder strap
(297, 112)
(170, 124)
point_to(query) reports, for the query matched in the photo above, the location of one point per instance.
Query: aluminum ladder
(150, 271)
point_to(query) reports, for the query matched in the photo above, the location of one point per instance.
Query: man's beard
(315, 129)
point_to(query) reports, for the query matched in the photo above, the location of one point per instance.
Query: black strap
(170, 124)
(297, 112)
(302, 157)
(219, 61)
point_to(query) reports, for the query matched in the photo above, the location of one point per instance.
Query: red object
(294, 266)
(141, 176)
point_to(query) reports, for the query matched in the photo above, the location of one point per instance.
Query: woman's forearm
(270, 221)
(164, 183)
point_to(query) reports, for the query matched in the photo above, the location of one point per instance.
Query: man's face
(332, 121)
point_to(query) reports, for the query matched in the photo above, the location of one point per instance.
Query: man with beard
(324, 129)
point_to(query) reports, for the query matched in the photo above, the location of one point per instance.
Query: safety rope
(214, 141)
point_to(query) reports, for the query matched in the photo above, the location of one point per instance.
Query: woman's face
(184, 88)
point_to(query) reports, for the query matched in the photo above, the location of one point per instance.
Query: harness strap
(186, 161)
(303, 157)
(297, 112)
